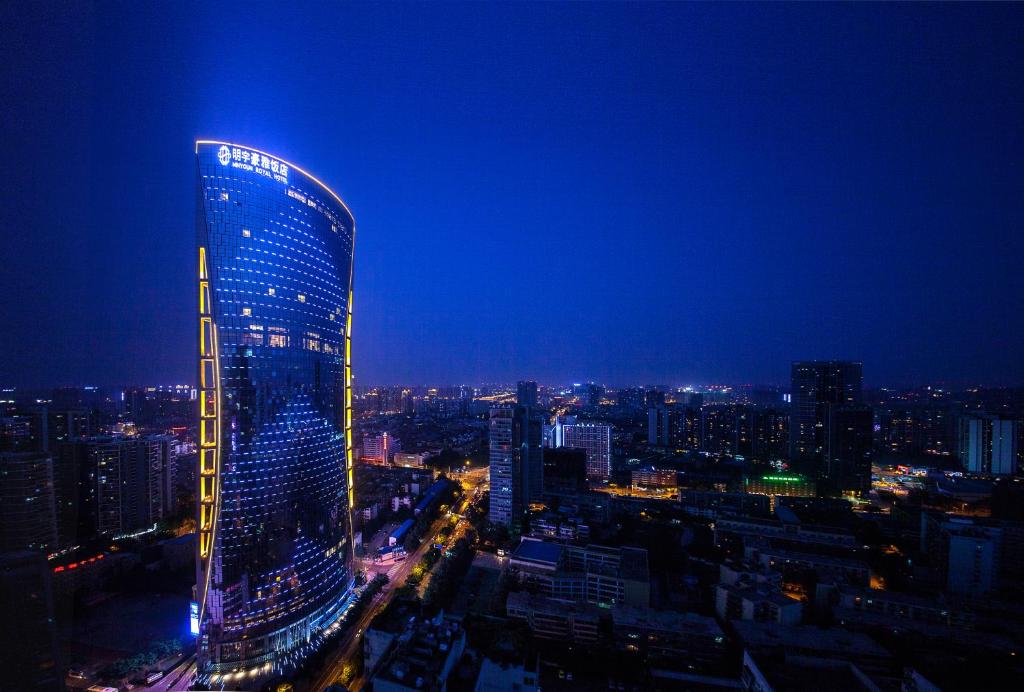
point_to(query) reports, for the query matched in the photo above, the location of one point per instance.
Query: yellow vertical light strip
(349, 468)
(209, 433)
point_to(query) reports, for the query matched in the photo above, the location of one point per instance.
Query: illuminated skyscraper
(516, 463)
(274, 567)
(596, 440)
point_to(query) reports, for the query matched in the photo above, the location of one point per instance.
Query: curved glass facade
(274, 277)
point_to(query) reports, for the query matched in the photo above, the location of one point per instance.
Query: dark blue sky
(623, 193)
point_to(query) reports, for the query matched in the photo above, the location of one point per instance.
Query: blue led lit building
(274, 565)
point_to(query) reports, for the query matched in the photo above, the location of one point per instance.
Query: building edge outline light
(301, 170)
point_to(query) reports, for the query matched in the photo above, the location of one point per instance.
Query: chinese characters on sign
(253, 162)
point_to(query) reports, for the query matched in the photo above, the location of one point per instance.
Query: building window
(246, 312)
(246, 233)
(302, 298)
(271, 291)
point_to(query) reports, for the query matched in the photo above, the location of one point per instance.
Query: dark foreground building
(274, 250)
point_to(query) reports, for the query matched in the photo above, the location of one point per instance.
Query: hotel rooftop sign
(253, 162)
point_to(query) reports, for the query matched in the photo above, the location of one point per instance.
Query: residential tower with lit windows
(274, 275)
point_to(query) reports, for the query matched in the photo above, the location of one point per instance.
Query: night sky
(622, 193)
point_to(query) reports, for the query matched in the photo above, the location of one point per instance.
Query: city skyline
(683, 211)
(701, 324)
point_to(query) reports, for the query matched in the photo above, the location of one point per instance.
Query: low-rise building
(826, 567)
(757, 603)
(777, 530)
(668, 639)
(422, 657)
(497, 677)
(547, 618)
(890, 608)
(593, 574)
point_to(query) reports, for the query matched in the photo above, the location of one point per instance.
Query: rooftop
(806, 638)
(420, 659)
(538, 551)
(665, 620)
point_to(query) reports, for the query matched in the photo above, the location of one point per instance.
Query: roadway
(472, 483)
(177, 678)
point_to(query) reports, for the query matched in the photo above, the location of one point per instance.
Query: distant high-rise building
(988, 444)
(531, 453)
(674, 426)
(589, 394)
(830, 432)
(768, 434)
(274, 292)
(516, 463)
(632, 398)
(654, 397)
(28, 519)
(719, 429)
(380, 448)
(657, 426)
(526, 393)
(814, 383)
(848, 448)
(503, 467)
(915, 431)
(42, 429)
(555, 433)
(112, 485)
(596, 440)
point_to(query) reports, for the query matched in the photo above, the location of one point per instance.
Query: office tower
(29, 651)
(828, 444)
(28, 519)
(596, 441)
(502, 467)
(988, 444)
(274, 279)
(531, 453)
(517, 463)
(526, 393)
